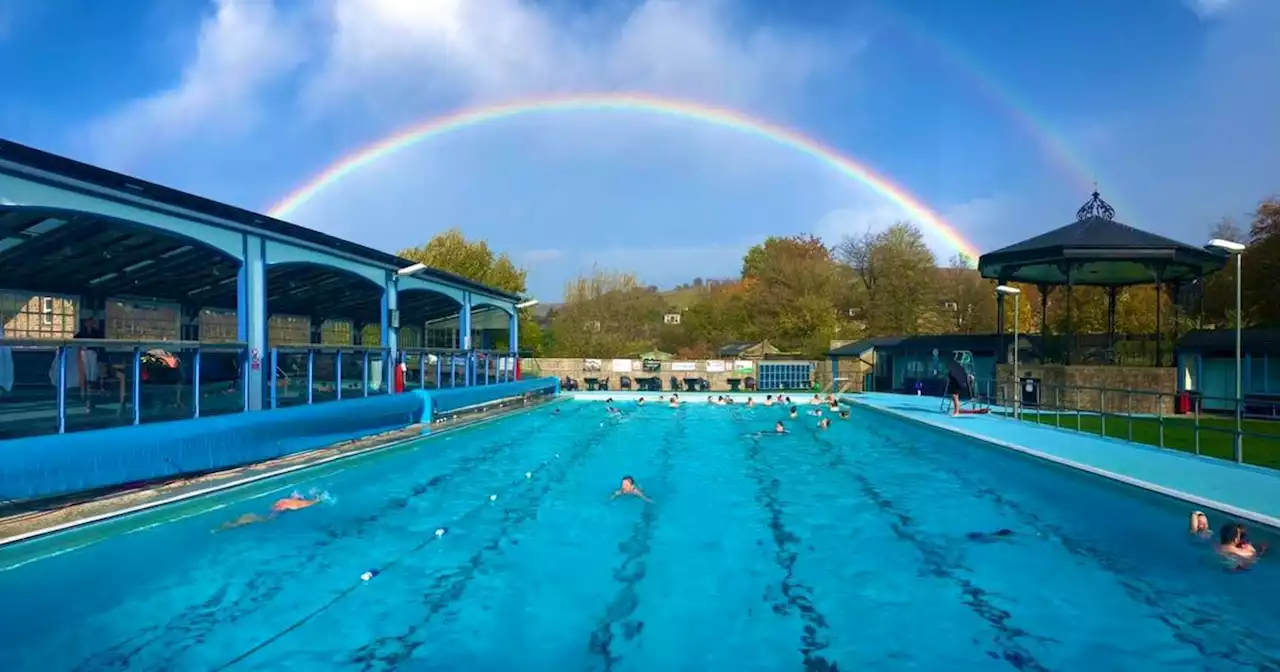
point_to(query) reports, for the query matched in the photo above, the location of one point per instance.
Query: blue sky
(1170, 104)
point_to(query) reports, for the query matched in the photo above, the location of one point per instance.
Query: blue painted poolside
(1240, 490)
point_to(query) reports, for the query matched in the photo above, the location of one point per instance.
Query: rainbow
(629, 102)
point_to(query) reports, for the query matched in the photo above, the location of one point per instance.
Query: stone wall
(575, 368)
(1114, 389)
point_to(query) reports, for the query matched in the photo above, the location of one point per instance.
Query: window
(24, 315)
(592, 326)
(671, 318)
(288, 330)
(143, 320)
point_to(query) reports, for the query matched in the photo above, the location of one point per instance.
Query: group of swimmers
(1233, 541)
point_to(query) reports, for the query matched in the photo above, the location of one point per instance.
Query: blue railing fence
(68, 385)
(1185, 420)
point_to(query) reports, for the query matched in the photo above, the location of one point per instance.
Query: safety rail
(444, 368)
(306, 374)
(91, 366)
(131, 382)
(1168, 420)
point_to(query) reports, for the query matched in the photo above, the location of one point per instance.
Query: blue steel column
(390, 336)
(464, 337)
(251, 316)
(513, 345)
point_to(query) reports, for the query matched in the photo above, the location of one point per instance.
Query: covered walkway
(126, 302)
(1250, 493)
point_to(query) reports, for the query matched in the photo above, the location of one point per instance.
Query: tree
(1262, 265)
(1218, 301)
(791, 287)
(450, 251)
(968, 297)
(895, 268)
(606, 314)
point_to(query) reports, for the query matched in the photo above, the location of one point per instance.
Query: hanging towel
(6, 363)
(73, 367)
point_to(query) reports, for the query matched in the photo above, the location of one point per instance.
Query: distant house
(749, 350)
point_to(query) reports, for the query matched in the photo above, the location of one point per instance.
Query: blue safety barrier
(451, 400)
(58, 464)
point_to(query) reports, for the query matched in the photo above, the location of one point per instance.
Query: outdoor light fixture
(1226, 245)
(410, 270)
(527, 303)
(1017, 384)
(1236, 249)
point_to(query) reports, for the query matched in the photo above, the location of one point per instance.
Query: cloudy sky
(998, 115)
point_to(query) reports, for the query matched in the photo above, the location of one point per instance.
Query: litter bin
(1029, 392)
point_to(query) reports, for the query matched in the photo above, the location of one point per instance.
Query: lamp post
(1014, 292)
(1236, 250)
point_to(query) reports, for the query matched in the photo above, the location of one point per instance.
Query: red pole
(517, 367)
(400, 369)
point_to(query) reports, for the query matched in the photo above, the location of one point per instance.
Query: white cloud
(243, 47)
(387, 62)
(1208, 8)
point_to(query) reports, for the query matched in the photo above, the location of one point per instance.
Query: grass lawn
(1261, 437)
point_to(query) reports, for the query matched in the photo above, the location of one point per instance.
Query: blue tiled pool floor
(1244, 491)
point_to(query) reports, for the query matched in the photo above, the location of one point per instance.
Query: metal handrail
(121, 343)
(1066, 402)
(469, 367)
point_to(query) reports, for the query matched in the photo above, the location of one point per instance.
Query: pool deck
(1246, 492)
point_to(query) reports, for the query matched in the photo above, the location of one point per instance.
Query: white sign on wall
(715, 366)
(684, 366)
(621, 365)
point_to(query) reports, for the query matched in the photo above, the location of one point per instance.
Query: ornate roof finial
(1096, 208)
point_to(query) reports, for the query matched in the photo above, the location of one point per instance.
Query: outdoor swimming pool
(839, 549)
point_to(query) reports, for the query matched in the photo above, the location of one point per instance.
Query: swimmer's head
(779, 427)
(1231, 534)
(1199, 522)
(628, 484)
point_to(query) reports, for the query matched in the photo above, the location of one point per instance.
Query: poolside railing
(140, 381)
(1188, 421)
(119, 375)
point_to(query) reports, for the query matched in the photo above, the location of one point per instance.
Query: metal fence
(62, 385)
(1167, 420)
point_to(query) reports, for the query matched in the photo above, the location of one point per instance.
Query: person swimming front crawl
(629, 487)
(293, 502)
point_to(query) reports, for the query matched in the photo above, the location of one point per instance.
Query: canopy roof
(1097, 250)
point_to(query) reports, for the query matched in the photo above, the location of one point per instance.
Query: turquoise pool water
(845, 549)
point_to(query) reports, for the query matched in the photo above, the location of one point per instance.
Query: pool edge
(1246, 514)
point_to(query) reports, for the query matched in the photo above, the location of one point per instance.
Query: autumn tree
(723, 316)
(896, 270)
(606, 314)
(1262, 265)
(1218, 298)
(450, 251)
(791, 286)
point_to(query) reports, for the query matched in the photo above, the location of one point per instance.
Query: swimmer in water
(824, 423)
(555, 412)
(779, 428)
(293, 502)
(1233, 544)
(640, 401)
(675, 401)
(793, 412)
(768, 400)
(1200, 525)
(750, 402)
(628, 487)
(844, 414)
